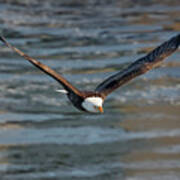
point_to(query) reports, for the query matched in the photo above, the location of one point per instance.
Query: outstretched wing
(139, 67)
(68, 86)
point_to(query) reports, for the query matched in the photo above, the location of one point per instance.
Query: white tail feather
(62, 91)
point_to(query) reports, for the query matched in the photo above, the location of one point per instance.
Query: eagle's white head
(93, 104)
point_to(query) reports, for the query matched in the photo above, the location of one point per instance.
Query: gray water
(43, 137)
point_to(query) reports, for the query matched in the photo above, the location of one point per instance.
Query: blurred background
(43, 137)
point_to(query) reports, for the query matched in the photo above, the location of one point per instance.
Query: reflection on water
(42, 136)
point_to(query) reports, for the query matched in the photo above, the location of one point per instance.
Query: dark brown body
(78, 100)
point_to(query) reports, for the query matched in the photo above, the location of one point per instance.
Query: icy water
(43, 137)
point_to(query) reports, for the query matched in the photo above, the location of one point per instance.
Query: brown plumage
(87, 100)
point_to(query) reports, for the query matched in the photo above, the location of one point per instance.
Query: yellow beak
(100, 108)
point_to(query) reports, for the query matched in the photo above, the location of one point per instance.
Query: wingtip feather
(2, 39)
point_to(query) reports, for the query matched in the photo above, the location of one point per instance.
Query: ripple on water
(77, 135)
